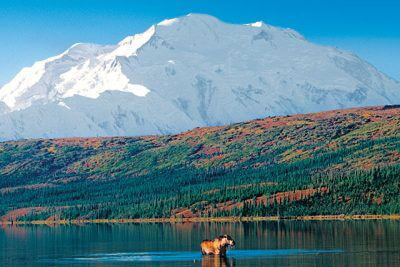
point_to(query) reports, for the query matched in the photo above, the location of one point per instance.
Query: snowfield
(183, 73)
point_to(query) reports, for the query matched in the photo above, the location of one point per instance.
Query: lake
(284, 243)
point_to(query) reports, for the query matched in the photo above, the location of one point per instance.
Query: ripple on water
(187, 255)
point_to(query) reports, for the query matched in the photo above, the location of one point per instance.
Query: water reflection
(217, 261)
(288, 243)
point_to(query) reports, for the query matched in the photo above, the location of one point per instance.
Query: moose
(218, 246)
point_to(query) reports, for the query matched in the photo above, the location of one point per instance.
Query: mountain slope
(342, 161)
(182, 73)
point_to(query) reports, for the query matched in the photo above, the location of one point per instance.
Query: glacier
(186, 72)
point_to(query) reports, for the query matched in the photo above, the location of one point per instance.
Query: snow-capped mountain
(182, 73)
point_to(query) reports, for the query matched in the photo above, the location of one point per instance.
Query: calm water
(364, 243)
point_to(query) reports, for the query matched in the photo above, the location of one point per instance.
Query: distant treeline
(375, 191)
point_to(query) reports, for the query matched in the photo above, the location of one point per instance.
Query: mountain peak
(191, 17)
(192, 20)
(189, 71)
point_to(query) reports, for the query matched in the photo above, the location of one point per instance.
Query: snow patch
(76, 82)
(257, 24)
(137, 89)
(168, 22)
(62, 104)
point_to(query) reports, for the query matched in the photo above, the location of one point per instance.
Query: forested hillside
(337, 162)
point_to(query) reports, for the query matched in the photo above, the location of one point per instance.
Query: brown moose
(218, 246)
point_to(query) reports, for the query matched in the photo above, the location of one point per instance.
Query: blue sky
(31, 30)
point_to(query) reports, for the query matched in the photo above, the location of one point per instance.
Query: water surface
(290, 243)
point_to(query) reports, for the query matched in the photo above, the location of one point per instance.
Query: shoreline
(211, 219)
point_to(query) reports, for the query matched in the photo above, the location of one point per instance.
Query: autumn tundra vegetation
(327, 163)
